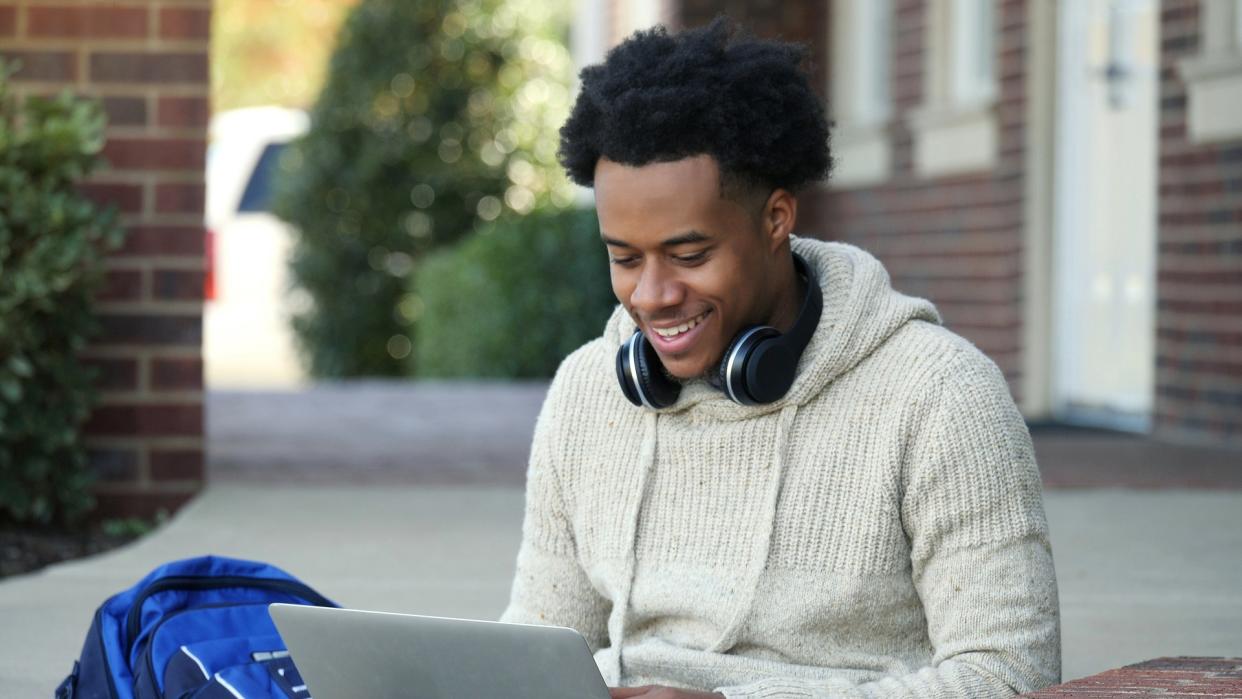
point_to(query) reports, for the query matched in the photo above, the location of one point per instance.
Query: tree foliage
(436, 116)
(513, 299)
(51, 243)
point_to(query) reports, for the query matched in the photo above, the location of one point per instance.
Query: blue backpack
(197, 628)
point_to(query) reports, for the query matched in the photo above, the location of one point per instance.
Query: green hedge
(512, 300)
(51, 244)
(436, 116)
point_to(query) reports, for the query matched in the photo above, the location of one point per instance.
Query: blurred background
(1062, 179)
(327, 242)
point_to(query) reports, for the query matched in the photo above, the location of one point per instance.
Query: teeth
(673, 332)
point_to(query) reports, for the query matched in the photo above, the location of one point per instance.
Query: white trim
(588, 35)
(952, 141)
(861, 91)
(230, 688)
(1038, 205)
(1069, 183)
(1214, 77)
(972, 68)
(861, 156)
(644, 14)
(955, 130)
(1220, 27)
(202, 668)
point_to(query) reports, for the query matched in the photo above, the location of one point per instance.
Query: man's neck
(788, 301)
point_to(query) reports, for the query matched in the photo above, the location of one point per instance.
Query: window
(974, 49)
(1214, 77)
(861, 95)
(955, 128)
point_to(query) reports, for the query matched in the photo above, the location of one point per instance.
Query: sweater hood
(861, 311)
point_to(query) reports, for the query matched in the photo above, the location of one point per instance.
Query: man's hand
(654, 692)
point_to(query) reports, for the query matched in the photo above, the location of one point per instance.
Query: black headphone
(758, 367)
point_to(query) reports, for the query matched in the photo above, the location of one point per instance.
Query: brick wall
(1162, 677)
(1199, 264)
(147, 61)
(956, 240)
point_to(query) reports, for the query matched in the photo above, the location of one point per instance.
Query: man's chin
(686, 372)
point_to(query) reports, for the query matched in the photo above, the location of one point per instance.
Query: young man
(875, 529)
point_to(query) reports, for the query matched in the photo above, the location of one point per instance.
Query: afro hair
(744, 101)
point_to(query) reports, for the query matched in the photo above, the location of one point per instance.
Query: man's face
(691, 267)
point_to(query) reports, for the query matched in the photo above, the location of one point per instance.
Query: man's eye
(696, 257)
(622, 261)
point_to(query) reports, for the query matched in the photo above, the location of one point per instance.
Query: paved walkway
(407, 498)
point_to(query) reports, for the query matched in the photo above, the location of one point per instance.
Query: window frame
(861, 89)
(955, 129)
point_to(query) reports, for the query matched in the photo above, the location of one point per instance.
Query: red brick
(121, 285)
(1197, 238)
(151, 241)
(182, 112)
(126, 197)
(151, 330)
(155, 153)
(43, 66)
(108, 67)
(139, 502)
(147, 420)
(180, 198)
(185, 23)
(176, 374)
(125, 111)
(8, 20)
(113, 465)
(177, 465)
(73, 22)
(114, 374)
(1182, 677)
(178, 284)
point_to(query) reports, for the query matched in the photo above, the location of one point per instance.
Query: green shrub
(436, 115)
(51, 243)
(513, 299)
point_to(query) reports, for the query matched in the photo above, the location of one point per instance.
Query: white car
(247, 339)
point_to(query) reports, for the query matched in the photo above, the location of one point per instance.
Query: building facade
(1063, 179)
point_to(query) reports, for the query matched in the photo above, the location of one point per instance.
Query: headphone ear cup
(734, 372)
(723, 370)
(626, 373)
(642, 376)
(770, 370)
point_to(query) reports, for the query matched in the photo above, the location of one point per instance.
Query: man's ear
(780, 215)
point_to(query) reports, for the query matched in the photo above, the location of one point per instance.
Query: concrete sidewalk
(408, 498)
(407, 550)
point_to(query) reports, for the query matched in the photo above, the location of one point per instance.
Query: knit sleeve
(549, 586)
(980, 559)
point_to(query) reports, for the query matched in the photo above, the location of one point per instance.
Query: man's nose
(656, 290)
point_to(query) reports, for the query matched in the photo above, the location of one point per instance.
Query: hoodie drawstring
(763, 539)
(620, 606)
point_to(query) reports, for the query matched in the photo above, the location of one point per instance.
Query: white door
(1105, 217)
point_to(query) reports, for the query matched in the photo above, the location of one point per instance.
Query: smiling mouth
(676, 331)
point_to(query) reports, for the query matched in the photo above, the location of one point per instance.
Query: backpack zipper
(134, 620)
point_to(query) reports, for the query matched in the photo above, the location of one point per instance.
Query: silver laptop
(347, 654)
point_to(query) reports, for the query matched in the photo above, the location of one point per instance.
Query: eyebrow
(681, 239)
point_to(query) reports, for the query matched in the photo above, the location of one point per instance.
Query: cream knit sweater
(878, 532)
